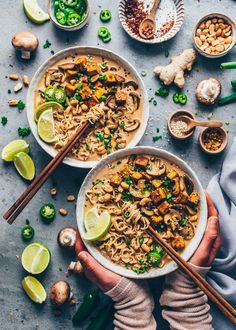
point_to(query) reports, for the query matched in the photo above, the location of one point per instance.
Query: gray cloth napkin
(222, 276)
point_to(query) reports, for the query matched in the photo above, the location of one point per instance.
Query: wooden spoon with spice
(147, 27)
(191, 123)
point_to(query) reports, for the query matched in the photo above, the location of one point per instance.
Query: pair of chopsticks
(37, 183)
(212, 294)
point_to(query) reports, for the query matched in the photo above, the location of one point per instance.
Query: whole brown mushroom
(208, 91)
(67, 238)
(60, 293)
(26, 43)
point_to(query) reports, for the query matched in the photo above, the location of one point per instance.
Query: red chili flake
(134, 12)
(165, 28)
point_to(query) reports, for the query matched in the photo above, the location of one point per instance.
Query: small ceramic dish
(196, 35)
(168, 11)
(173, 116)
(163, 154)
(66, 27)
(202, 135)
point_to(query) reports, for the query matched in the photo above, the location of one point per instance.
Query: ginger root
(174, 72)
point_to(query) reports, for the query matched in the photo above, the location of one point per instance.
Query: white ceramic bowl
(167, 9)
(226, 19)
(188, 252)
(79, 51)
(65, 27)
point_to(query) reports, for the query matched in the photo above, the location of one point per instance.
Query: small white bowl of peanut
(214, 35)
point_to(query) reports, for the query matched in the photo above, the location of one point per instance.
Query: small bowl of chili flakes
(213, 140)
(169, 18)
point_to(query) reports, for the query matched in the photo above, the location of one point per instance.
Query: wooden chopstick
(36, 184)
(212, 294)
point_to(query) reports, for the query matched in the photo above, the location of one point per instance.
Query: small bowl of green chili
(69, 15)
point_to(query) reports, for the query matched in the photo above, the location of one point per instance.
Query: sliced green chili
(105, 15)
(103, 32)
(183, 98)
(73, 19)
(48, 212)
(59, 95)
(61, 17)
(49, 93)
(176, 97)
(70, 3)
(27, 232)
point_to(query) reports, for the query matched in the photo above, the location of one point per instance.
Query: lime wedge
(34, 12)
(12, 148)
(24, 165)
(46, 126)
(35, 258)
(34, 289)
(96, 226)
(54, 106)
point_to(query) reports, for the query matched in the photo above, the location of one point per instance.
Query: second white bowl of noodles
(192, 246)
(77, 51)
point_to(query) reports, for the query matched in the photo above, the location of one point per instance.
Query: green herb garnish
(162, 91)
(99, 136)
(25, 131)
(47, 44)
(21, 105)
(4, 121)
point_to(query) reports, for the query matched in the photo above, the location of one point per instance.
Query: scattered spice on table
(4, 121)
(178, 127)
(212, 139)
(166, 27)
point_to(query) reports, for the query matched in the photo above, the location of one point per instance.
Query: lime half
(24, 165)
(34, 12)
(35, 258)
(54, 106)
(96, 226)
(46, 127)
(12, 148)
(34, 289)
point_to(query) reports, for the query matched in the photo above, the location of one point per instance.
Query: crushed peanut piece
(13, 102)
(13, 76)
(70, 198)
(63, 212)
(212, 139)
(26, 80)
(18, 87)
(53, 191)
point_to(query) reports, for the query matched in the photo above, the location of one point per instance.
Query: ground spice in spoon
(178, 127)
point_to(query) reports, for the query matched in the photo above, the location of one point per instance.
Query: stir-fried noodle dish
(82, 85)
(137, 191)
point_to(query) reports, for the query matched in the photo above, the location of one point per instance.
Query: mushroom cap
(25, 40)
(67, 237)
(208, 91)
(59, 293)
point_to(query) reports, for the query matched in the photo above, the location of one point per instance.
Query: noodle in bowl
(68, 119)
(104, 252)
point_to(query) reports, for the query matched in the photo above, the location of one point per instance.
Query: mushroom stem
(25, 54)
(76, 267)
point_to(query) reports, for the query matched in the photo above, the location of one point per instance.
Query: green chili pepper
(73, 19)
(27, 232)
(103, 32)
(59, 95)
(103, 98)
(105, 15)
(183, 98)
(102, 318)
(49, 93)
(56, 6)
(176, 97)
(48, 212)
(61, 17)
(70, 3)
(154, 258)
(107, 38)
(61, 5)
(69, 11)
(90, 301)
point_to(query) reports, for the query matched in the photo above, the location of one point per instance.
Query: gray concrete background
(17, 311)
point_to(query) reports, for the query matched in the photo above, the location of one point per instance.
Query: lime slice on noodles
(35, 258)
(34, 289)
(46, 127)
(96, 226)
(24, 165)
(54, 106)
(34, 12)
(13, 148)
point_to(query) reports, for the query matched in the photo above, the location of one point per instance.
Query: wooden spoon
(193, 123)
(148, 24)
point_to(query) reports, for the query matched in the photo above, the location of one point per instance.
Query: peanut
(70, 198)
(63, 212)
(53, 191)
(12, 102)
(26, 80)
(18, 87)
(13, 76)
